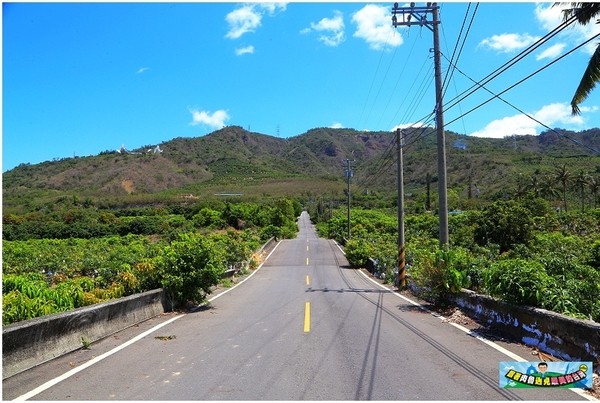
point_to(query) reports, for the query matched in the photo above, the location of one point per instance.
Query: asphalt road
(302, 327)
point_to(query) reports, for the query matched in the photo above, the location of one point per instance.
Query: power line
(408, 60)
(450, 71)
(521, 81)
(510, 63)
(494, 74)
(360, 120)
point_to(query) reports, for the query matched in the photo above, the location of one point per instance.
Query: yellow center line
(307, 317)
(307, 261)
(307, 281)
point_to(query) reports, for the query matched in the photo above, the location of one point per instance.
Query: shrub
(505, 223)
(357, 252)
(517, 281)
(439, 274)
(189, 267)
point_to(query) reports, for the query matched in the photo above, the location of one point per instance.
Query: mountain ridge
(235, 156)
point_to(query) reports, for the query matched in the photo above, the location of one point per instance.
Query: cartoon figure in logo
(542, 368)
(542, 371)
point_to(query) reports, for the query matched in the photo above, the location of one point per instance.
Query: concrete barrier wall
(32, 342)
(564, 337)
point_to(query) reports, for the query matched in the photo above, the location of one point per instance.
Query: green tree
(595, 188)
(582, 180)
(548, 188)
(505, 223)
(563, 176)
(189, 267)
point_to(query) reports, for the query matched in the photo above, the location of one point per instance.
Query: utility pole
(349, 174)
(420, 15)
(400, 176)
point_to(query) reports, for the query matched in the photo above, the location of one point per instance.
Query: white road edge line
(244, 280)
(490, 343)
(93, 361)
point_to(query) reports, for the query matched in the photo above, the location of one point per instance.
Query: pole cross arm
(414, 15)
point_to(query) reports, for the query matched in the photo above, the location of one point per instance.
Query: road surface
(303, 327)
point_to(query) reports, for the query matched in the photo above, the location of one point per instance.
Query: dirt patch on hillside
(127, 185)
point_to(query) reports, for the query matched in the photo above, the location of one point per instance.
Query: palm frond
(590, 78)
(584, 12)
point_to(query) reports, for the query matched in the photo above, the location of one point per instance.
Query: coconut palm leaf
(584, 13)
(590, 78)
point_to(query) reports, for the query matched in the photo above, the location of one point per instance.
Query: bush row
(43, 276)
(521, 252)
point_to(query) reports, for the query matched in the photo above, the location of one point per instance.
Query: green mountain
(233, 160)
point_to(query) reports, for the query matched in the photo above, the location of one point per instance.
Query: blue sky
(82, 78)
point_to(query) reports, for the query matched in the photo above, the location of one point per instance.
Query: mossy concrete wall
(562, 336)
(29, 343)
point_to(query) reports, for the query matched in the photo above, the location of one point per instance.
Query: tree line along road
(303, 327)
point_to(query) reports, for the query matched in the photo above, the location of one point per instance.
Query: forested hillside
(233, 160)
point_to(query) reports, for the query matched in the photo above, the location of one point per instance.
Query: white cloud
(550, 16)
(244, 50)
(242, 20)
(551, 115)
(552, 52)
(506, 43)
(248, 17)
(558, 113)
(142, 69)
(373, 24)
(332, 29)
(337, 125)
(272, 8)
(215, 120)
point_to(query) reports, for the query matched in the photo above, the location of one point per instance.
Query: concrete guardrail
(564, 337)
(32, 342)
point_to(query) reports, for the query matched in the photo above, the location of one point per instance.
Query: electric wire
(406, 62)
(382, 82)
(419, 132)
(510, 63)
(498, 96)
(387, 41)
(449, 72)
(382, 164)
(459, 98)
(423, 85)
(454, 62)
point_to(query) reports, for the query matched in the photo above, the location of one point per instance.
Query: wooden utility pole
(414, 15)
(400, 176)
(348, 176)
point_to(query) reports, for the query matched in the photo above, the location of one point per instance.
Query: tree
(189, 267)
(585, 12)
(563, 175)
(582, 180)
(548, 188)
(504, 223)
(595, 188)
